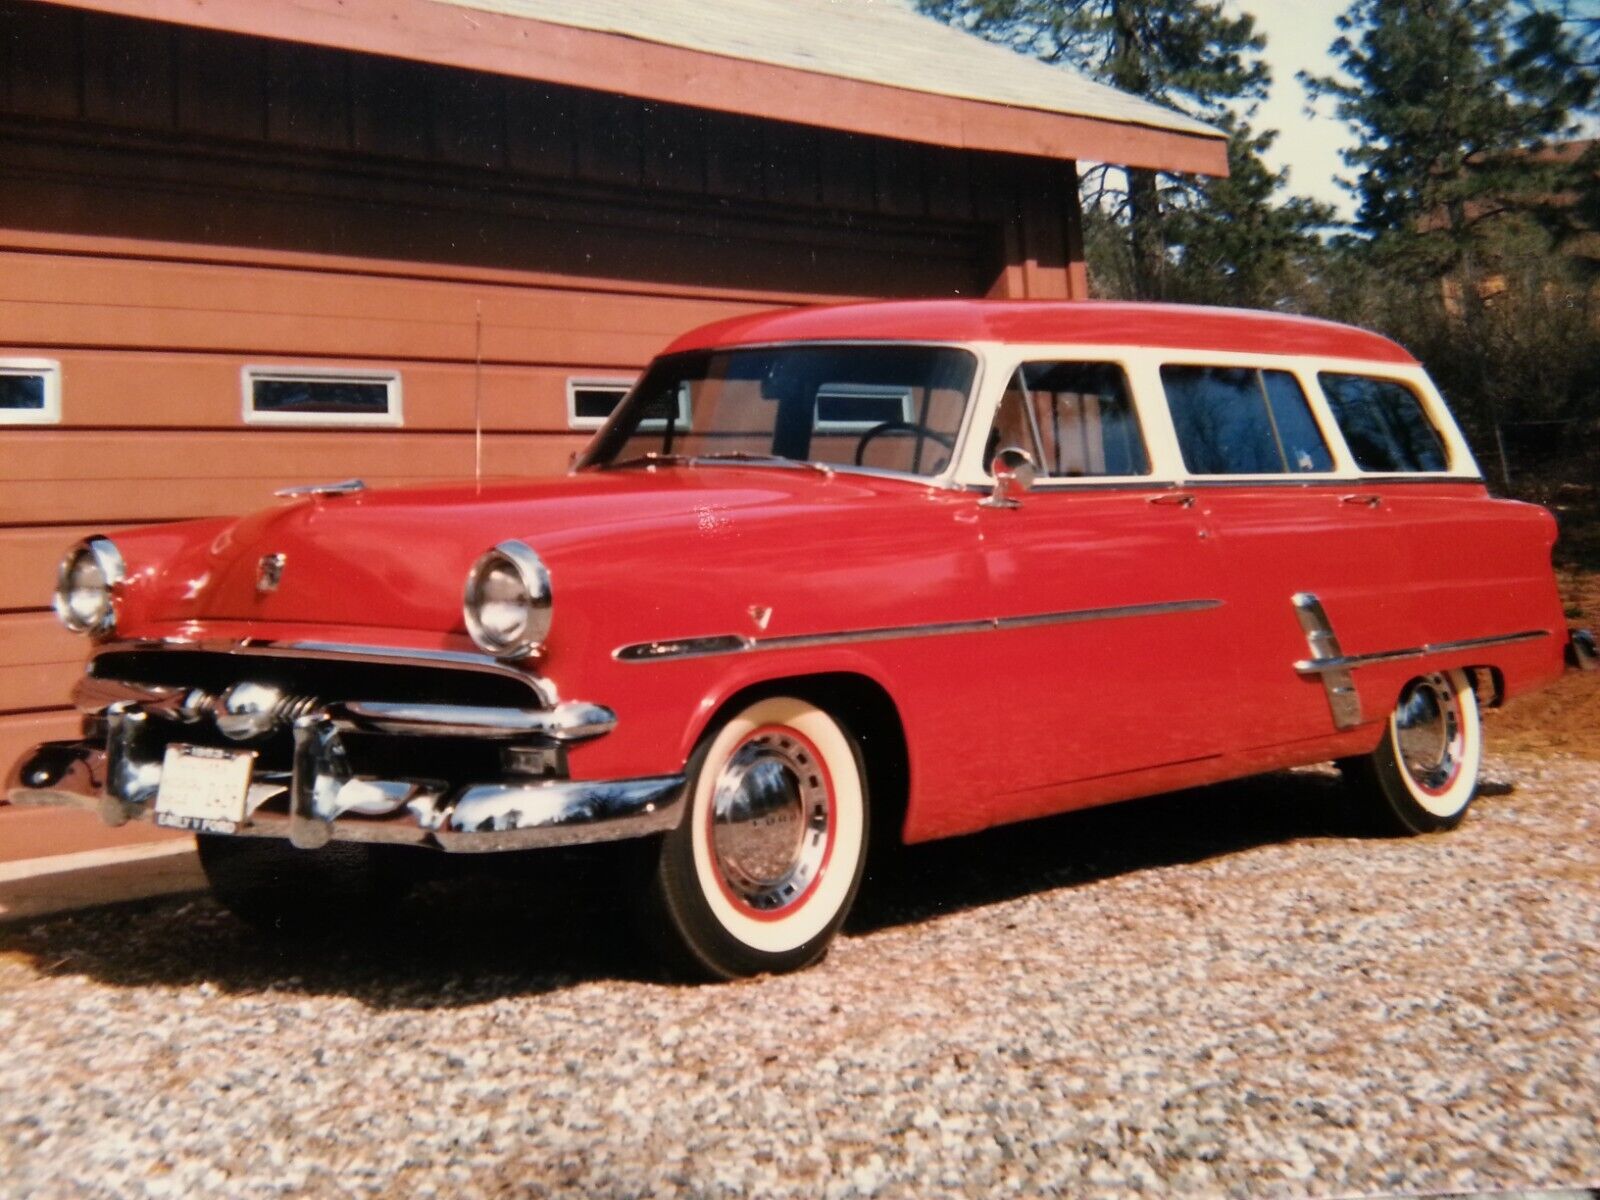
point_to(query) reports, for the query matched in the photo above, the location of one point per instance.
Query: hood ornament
(344, 487)
(269, 573)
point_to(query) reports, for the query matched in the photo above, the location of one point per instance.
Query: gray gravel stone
(1216, 993)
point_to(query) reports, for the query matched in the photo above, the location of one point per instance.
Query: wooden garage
(245, 245)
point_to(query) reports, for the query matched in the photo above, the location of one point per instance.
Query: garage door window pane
(30, 392)
(1384, 424)
(19, 393)
(316, 398)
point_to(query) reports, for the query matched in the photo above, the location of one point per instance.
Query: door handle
(1176, 499)
(1370, 499)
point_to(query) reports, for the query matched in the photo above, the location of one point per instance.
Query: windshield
(890, 408)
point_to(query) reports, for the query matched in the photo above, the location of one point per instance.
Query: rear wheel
(1424, 773)
(763, 868)
(272, 885)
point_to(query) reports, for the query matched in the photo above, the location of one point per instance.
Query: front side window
(30, 391)
(1383, 423)
(1076, 417)
(1243, 421)
(886, 407)
(292, 396)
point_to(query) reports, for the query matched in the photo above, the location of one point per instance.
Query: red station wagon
(763, 613)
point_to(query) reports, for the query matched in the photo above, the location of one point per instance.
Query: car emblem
(269, 571)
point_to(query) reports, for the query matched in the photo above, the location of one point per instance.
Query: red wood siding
(178, 204)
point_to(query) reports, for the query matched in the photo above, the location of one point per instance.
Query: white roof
(876, 41)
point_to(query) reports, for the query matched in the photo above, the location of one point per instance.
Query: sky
(1298, 34)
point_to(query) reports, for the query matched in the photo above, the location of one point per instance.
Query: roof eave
(447, 35)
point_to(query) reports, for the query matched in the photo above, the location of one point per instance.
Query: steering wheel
(883, 427)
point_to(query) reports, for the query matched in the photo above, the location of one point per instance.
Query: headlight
(507, 604)
(84, 584)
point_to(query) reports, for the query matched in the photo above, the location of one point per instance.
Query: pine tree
(1191, 55)
(1237, 241)
(1454, 103)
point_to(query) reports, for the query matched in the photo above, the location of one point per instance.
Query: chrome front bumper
(322, 799)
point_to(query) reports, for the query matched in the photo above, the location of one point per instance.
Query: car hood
(399, 558)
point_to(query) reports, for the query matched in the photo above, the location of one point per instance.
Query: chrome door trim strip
(704, 647)
(1346, 661)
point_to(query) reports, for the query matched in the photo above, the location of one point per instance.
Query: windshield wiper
(776, 460)
(652, 458)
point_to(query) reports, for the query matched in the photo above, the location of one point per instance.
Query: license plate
(204, 789)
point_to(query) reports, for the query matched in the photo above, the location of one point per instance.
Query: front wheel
(763, 868)
(1424, 773)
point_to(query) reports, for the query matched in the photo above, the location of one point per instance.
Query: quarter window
(1383, 423)
(30, 391)
(1243, 421)
(295, 396)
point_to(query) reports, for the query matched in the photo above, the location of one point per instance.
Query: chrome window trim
(717, 644)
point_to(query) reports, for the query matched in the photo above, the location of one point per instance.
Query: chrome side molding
(1346, 661)
(703, 647)
(1343, 699)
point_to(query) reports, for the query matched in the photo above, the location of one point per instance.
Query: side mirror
(1014, 471)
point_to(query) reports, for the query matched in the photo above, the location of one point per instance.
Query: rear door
(1288, 521)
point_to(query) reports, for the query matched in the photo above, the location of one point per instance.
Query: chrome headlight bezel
(103, 555)
(528, 637)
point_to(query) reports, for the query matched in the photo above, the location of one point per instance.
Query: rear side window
(1243, 421)
(1383, 423)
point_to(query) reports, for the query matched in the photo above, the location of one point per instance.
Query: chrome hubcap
(1428, 728)
(769, 821)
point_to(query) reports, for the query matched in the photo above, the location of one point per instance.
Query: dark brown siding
(177, 204)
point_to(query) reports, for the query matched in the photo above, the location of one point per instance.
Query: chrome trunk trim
(702, 647)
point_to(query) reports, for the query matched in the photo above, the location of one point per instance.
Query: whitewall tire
(1424, 773)
(762, 870)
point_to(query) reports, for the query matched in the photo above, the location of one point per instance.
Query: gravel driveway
(1211, 993)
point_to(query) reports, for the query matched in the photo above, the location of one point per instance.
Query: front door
(1105, 589)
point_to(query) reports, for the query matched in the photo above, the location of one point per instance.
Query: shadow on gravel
(545, 922)
(539, 924)
(918, 882)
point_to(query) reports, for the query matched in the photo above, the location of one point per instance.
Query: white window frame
(625, 384)
(874, 391)
(393, 416)
(50, 370)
